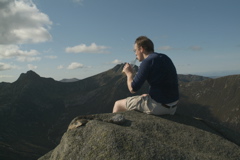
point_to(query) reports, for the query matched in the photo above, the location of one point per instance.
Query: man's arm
(129, 82)
(127, 69)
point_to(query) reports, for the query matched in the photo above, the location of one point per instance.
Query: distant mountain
(220, 73)
(69, 80)
(35, 111)
(191, 78)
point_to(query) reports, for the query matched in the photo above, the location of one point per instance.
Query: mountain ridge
(218, 95)
(43, 108)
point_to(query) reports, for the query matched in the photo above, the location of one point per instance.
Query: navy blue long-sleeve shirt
(160, 72)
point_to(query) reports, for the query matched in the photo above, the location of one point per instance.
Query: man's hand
(127, 69)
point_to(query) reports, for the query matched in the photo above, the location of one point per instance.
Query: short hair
(145, 43)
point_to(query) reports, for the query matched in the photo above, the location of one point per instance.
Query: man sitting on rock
(160, 73)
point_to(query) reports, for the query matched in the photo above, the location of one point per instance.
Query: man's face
(138, 52)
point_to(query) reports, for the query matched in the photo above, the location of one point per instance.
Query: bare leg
(144, 95)
(120, 106)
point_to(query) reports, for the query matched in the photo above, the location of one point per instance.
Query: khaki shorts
(147, 105)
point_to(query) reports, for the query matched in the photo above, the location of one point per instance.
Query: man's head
(143, 46)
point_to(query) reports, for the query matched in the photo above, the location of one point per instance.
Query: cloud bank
(22, 22)
(5, 66)
(13, 51)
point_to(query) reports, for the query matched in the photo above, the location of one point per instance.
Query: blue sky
(81, 38)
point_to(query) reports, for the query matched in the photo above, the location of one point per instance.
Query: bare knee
(120, 106)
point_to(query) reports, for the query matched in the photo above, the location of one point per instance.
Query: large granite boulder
(144, 137)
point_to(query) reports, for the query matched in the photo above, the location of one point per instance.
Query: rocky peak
(30, 75)
(144, 137)
(118, 68)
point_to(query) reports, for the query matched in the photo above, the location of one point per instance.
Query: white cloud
(60, 67)
(5, 66)
(116, 61)
(75, 65)
(48, 51)
(83, 48)
(195, 48)
(13, 51)
(22, 22)
(78, 1)
(31, 67)
(28, 59)
(51, 57)
(6, 76)
(165, 48)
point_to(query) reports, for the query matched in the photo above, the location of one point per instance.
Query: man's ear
(141, 49)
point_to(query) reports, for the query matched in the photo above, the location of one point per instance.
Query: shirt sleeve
(141, 76)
